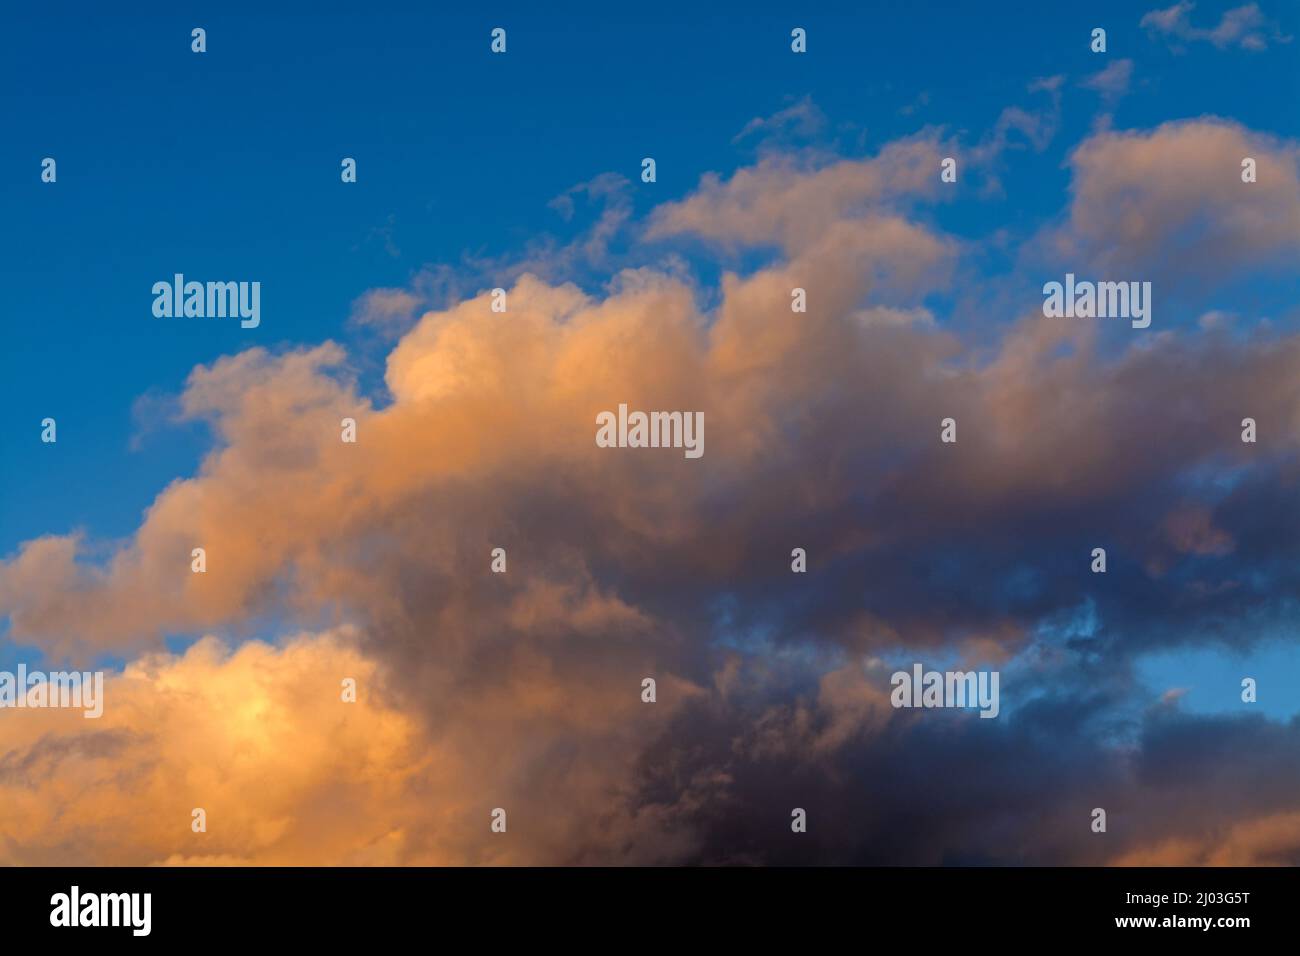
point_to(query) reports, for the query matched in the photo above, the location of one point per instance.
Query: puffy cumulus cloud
(253, 401)
(786, 200)
(258, 737)
(522, 690)
(1169, 203)
(290, 774)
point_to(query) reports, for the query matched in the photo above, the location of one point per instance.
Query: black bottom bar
(670, 906)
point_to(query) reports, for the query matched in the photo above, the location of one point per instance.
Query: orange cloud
(522, 690)
(257, 737)
(1171, 201)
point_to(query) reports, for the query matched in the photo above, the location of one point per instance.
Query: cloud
(800, 120)
(1244, 27)
(873, 799)
(609, 190)
(522, 690)
(257, 737)
(385, 234)
(389, 311)
(786, 201)
(1272, 840)
(1111, 82)
(1170, 202)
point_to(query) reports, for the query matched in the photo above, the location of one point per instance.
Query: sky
(774, 170)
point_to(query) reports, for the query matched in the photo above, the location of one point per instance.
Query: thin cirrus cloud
(1112, 82)
(522, 690)
(1244, 27)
